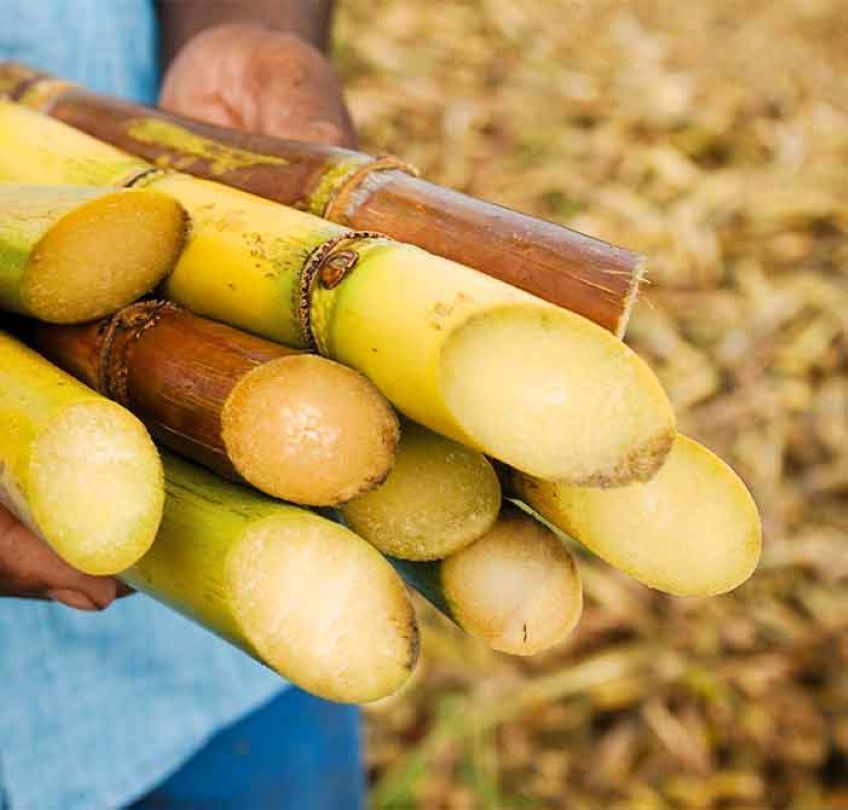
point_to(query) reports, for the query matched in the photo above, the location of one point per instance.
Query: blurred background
(711, 135)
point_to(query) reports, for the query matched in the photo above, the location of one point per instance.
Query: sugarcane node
(31, 87)
(121, 331)
(20, 90)
(336, 206)
(332, 268)
(43, 93)
(17, 79)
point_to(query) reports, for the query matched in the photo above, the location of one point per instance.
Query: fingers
(29, 568)
(261, 81)
(122, 589)
(290, 90)
(191, 84)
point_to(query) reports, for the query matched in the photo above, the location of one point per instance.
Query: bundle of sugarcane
(296, 426)
(302, 594)
(581, 430)
(470, 357)
(570, 269)
(181, 374)
(509, 581)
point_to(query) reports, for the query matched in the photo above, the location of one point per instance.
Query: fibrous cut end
(103, 255)
(692, 530)
(556, 396)
(309, 430)
(517, 588)
(439, 497)
(323, 608)
(96, 487)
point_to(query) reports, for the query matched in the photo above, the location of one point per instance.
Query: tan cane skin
(172, 369)
(574, 271)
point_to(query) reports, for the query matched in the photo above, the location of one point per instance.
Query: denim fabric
(107, 45)
(96, 710)
(295, 753)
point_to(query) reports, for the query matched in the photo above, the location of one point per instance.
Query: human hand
(259, 80)
(29, 568)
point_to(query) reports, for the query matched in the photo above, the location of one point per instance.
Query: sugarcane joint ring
(39, 90)
(329, 263)
(26, 79)
(335, 209)
(120, 331)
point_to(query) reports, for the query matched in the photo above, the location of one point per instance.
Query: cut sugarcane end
(96, 488)
(633, 288)
(692, 530)
(517, 588)
(310, 579)
(439, 497)
(556, 396)
(103, 255)
(310, 431)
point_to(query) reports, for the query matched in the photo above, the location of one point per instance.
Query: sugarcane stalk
(296, 426)
(70, 254)
(692, 530)
(472, 358)
(568, 268)
(439, 497)
(79, 470)
(517, 588)
(303, 595)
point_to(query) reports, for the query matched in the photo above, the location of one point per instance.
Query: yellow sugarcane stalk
(517, 588)
(300, 593)
(70, 254)
(540, 388)
(439, 497)
(79, 470)
(692, 530)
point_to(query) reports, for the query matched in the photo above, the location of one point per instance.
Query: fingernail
(74, 599)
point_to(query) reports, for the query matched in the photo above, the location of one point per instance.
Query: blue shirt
(97, 709)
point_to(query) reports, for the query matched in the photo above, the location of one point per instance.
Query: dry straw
(711, 136)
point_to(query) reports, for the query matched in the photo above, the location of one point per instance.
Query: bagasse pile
(712, 136)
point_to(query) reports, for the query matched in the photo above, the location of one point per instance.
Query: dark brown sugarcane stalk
(575, 271)
(297, 426)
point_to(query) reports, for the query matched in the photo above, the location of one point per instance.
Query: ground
(712, 136)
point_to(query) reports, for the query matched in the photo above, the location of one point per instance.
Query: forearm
(180, 20)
